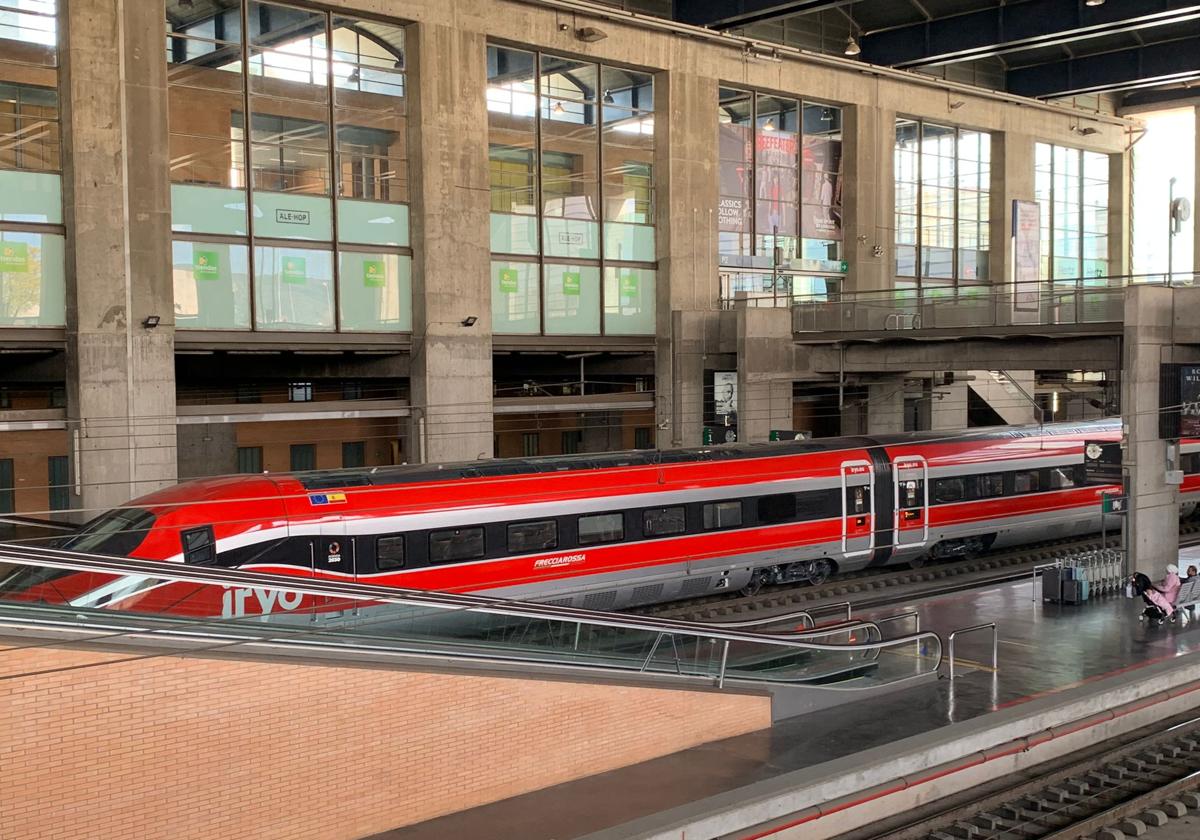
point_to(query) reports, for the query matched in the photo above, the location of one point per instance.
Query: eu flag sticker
(327, 499)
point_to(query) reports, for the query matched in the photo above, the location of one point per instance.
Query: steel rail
(75, 561)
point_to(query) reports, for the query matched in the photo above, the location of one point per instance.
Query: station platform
(1067, 675)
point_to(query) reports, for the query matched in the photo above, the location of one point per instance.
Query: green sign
(571, 283)
(1113, 503)
(845, 266)
(294, 270)
(14, 257)
(373, 274)
(508, 281)
(629, 284)
(205, 265)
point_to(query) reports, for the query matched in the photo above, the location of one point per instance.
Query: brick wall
(181, 747)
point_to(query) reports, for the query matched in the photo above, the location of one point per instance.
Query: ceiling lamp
(1093, 2)
(852, 47)
(769, 125)
(826, 114)
(608, 97)
(558, 108)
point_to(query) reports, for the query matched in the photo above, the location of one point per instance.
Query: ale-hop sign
(205, 265)
(292, 217)
(508, 281)
(14, 257)
(373, 274)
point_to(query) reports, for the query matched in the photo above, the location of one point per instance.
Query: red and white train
(610, 531)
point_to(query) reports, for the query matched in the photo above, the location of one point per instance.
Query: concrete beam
(116, 197)
(1091, 353)
(448, 135)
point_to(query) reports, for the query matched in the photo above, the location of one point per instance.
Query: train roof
(424, 473)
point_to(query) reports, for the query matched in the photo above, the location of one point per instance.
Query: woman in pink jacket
(1163, 594)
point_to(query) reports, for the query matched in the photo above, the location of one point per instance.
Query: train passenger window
(389, 553)
(199, 547)
(1061, 478)
(947, 490)
(601, 528)
(780, 507)
(722, 515)
(991, 485)
(455, 544)
(532, 536)
(1189, 462)
(662, 522)
(1026, 481)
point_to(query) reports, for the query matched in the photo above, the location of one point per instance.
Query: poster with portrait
(1026, 245)
(821, 197)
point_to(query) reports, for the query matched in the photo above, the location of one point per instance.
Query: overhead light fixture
(769, 125)
(558, 108)
(590, 34)
(354, 76)
(1086, 130)
(469, 321)
(608, 98)
(826, 115)
(151, 321)
(852, 47)
(1093, 3)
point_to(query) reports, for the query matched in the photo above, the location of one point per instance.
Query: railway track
(1116, 789)
(873, 588)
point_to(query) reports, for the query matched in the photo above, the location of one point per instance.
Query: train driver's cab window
(601, 528)
(1026, 482)
(722, 515)
(532, 536)
(948, 490)
(455, 545)
(991, 485)
(199, 547)
(662, 522)
(1061, 478)
(389, 553)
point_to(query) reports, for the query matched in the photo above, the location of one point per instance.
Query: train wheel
(757, 581)
(919, 561)
(821, 571)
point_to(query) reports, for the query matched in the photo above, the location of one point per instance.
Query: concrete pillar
(764, 346)
(868, 211)
(1196, 197)
(948, 403)
(448, 138)
(1152, 535)
(1120, 208)
(1013, 178)
(686, 302)
(116, 197)
(885, 406)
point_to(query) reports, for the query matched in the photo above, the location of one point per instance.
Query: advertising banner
(1026, 235)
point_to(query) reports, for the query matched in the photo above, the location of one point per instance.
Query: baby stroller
(1141, 585)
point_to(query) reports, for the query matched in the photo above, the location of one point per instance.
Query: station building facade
(243, 236)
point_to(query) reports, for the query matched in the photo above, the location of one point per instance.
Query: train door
(334, 555)
(911, 501)
(858, 525)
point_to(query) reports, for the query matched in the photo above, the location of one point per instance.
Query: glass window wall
(942, 213)
(288, 125)
(780, 179)
(31, 220)
(571, 161)
(1072, 191)
(1164, 171)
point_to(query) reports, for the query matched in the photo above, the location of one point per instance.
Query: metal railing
(1082, 301)
(965, 630)
(456, 625)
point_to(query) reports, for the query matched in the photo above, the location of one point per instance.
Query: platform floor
(1044, 649)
